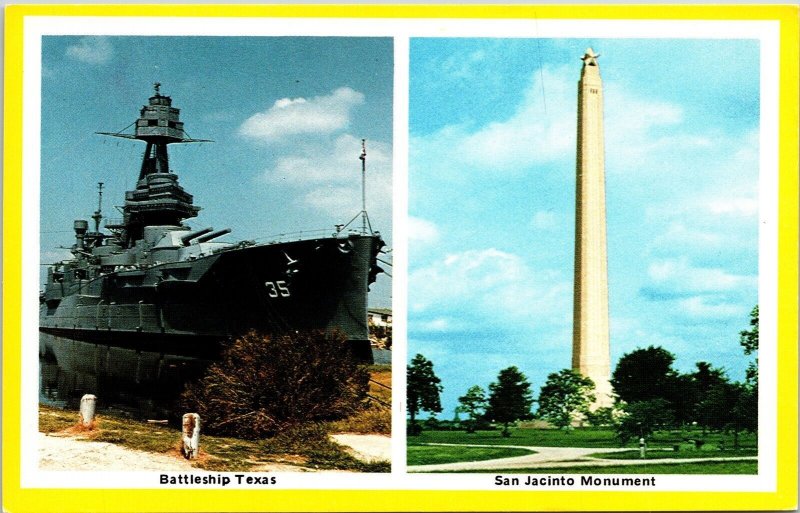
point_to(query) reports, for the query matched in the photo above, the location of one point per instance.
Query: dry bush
(370, 420)
(265, 384)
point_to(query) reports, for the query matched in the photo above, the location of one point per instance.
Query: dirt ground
(68, 453)
(59, 452)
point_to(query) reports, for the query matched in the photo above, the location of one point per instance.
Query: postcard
(376, 257)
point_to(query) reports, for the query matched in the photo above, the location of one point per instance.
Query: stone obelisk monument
(590, 339)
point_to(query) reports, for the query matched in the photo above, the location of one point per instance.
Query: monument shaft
(590, 334)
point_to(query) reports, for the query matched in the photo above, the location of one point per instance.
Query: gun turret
(214, 235)
(192, 235)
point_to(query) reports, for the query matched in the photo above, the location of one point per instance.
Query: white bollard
(191, 435)
(88, 404)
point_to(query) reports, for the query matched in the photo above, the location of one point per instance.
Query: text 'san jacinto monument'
(590, 339)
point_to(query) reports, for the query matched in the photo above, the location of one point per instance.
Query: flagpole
(363, 158)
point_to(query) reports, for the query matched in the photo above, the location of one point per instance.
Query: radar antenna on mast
(366, 227)
(98, 216)
(363, 157)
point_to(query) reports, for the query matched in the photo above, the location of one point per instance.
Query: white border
(766, 32)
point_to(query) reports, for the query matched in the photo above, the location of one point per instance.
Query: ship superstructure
(150, 282)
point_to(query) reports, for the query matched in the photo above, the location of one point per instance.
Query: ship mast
(98, 216)
(366, 227)
(363, 158)
(158, 198)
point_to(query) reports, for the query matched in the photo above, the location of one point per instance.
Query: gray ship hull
(189, 307)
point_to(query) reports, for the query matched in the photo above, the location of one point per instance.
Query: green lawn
(710, 467)
(435, 454)
(682, 454)
(579, 437)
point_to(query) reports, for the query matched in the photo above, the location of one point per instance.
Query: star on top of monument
(590, 58)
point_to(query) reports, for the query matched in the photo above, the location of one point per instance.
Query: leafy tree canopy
(749, 341)
(749, 338)
(731, 407)
(422, 389)
(643, 417)
(565, 397)
(473, 403)
(643, 374)
(510, 398)
(707, 376)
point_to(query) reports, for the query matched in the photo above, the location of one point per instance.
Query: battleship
(150, 284)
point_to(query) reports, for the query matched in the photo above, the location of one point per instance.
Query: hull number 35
(277, 288)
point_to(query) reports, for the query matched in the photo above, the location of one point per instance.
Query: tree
(643, 417)
(749, 338)
(603, 416)
(473, 403)
(565, 397)
(266, 384)
(422, 390)
(749, 341)
(706, 378)
(643, 374)
(731, 407)
(510, 398)
(680, 391)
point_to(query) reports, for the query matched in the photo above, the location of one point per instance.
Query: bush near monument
(266, 384)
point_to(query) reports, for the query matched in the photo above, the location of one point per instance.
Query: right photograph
(583, 256)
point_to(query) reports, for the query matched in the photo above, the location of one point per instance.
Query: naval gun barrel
(191, 235)
(214, 235)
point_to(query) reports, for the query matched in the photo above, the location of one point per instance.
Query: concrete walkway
(369, 448)
(547, 457)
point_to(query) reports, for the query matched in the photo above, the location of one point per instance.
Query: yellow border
(18, 500)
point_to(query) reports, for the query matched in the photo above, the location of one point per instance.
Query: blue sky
(492, 192)
(287, 116)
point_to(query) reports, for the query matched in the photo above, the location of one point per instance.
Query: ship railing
(298, 235)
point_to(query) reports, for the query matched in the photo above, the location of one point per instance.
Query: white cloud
(688, 293)
(463, 67)
(540, 132)
(330, 172)
(703, 307)
(91, 50)
(488, 284)
(711, 215)
(421, 231)
(679, 237)
(740, 207)
(678, 275)
(300, 116)
(630, 123)
(528, 137)
(437, 324)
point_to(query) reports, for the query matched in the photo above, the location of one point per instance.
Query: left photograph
(215, 253)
